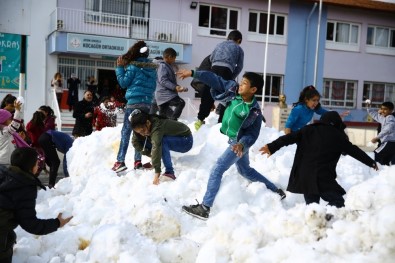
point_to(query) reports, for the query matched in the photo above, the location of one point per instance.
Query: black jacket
(18, 193)
(83, 126)
(319, 147)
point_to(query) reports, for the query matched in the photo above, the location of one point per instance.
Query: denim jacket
(221, 90)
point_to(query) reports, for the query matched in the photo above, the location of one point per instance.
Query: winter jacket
(61, 140)
(301, 115)
(83, 126)
(6, 139)
(139, 80)
(387, 133)
(18, 193)
(228, 54)
(34, 133)
(104, 117)
(249, 128)
(319, 147)
(159, 128)
(166, 83)
(49, 123)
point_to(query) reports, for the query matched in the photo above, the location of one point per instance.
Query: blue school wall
(300, 62)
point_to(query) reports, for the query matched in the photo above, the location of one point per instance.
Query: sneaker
(119, 167)
(139, 166)
(198, 124)
(199, 211)
(281, 193)
(169, 176)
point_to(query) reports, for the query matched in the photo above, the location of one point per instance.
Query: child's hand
(18, 105)
(265, 150)
(345, 113)
(184, 73)
(120, 61)
(63, 221)
(181, 89)
(238, 149)
(375, 139)
(156, 179)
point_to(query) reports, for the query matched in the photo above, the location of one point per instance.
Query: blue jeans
(243, 167)
(125, 135)
(180, 144)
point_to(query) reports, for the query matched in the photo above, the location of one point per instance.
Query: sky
(128, 219)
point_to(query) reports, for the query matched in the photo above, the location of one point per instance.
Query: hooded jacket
(18, 193)
(139, 80)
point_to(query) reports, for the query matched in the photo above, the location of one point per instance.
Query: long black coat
(83, 126)
(319, 147)
(18, 193)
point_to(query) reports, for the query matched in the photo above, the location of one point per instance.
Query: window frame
(209, 30)
(261, 37)
(327, 100)
(271, 98)
(340, 45)
(375, 103)
(376, 49)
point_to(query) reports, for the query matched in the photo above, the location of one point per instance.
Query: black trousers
(7, 242)
(176, 102)
(51, 156)
(226, 74)
(206, 103)
(333, 198)
(386, 155)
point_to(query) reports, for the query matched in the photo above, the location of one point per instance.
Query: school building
(345, 48)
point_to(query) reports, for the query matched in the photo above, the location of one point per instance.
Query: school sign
(10, 60)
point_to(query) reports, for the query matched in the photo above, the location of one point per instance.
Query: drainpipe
(305, 43)
(266, 46)
(317, 44)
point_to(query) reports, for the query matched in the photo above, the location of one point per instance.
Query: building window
(257, 26)
(273, 88)
(339, 93)
(217, 20)
(115, 11)
(380, 40)
(378, 93)
(342, 36)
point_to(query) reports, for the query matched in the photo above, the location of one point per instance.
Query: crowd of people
(151, 112)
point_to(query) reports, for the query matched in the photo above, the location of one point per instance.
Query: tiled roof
(364, 4)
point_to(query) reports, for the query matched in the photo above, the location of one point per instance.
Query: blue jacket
(139, 80)
(228, 54)
(221, 90)
(301, 115)
(62, 141)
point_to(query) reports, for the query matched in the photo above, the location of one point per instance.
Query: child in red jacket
(105, 115)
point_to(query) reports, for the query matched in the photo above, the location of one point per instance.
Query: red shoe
(168, 176)
(139, 166)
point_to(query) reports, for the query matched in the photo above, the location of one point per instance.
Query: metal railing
(106, 24)
(55, 106)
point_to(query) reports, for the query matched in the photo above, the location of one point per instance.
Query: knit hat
(333, 118)
(25, 158)
(4, 115)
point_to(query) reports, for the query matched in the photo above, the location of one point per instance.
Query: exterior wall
(284, 59)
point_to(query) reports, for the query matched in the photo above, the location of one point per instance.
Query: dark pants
(226, 74)
(333, 198)
(59, 99)
(176, 102)
(387, 155)
(51, 156)
(7, 242)
(206, 103)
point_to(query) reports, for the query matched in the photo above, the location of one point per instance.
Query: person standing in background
(83, 114)
(57, 85)
(227, 61)
(72, 85)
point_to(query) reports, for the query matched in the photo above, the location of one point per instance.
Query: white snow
(128, 219)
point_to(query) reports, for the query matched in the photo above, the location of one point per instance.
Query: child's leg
(223, 163)
(164, 109)
(179, 105)
(243, 167)
(125, 136)
(180, 144)
(386, 155)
